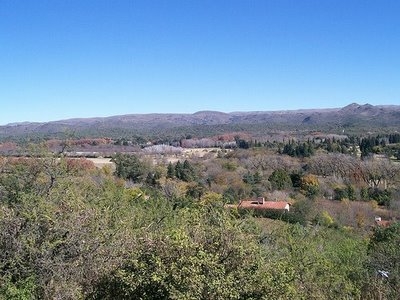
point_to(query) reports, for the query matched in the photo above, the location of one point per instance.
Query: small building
(383, 223)
(261, 204)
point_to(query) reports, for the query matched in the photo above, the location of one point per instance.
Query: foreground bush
(83, 235)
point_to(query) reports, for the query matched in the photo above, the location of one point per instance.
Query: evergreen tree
(129, 167)
(178, 170)
(170, 171)
(280, 179)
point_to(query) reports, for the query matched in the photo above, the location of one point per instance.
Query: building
(261, 204)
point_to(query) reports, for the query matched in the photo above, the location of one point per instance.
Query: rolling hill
(353, 118)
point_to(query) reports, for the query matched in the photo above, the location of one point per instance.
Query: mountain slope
(354, 117)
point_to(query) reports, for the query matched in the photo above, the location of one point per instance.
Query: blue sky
(83, 58)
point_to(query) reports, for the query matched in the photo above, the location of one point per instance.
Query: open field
(100, 162)
(185, 154)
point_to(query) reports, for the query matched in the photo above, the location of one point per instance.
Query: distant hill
(353, 118)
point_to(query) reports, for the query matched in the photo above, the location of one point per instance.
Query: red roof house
(383, 223)
(260, 203)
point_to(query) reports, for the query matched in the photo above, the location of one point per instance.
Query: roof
(384, 223)
(265, 205)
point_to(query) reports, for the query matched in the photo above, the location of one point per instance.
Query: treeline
(365, 146)
(243, 136)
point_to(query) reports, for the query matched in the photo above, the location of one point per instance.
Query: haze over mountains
(351, 117)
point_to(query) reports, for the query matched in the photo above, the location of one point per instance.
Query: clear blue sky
(83, 58)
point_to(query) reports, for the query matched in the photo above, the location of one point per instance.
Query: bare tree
(378, 172)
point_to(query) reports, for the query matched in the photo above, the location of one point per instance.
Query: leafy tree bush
(195, 190)
(351, 192)
(280, 179)
(383, 264)
(170, 171)
(230, 195)
(303, 211)
(345, 192)
(325, 219)
(184, 172)
(129, 166)
(382, 197)
(198, 253)
(252, 178)
(340, 193)
(296, 179)
(310, 186)
(317, 267)
(299, 149)
(71, 232)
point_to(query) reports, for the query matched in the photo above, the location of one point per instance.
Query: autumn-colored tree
(310, 185)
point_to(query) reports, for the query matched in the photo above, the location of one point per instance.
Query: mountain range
(351, 118)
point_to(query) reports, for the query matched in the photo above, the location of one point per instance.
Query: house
(261, 204)
(383, 223)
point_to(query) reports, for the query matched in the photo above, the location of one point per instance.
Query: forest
(155, 225)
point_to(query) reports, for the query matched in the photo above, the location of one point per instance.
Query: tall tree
(129, 166)
(170, 171)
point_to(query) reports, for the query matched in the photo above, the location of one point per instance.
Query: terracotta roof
(254, 203)
(384, 223)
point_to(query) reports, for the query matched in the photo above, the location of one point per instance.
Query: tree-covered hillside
(351, 119)
(159, 229)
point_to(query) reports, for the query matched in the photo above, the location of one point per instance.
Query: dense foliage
(158, 229)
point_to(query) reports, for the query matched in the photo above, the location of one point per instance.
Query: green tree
(382, 196)
(129, 166)
(178, 169)
(310, 185)
(184, 172)
(317, 263)
(54, 245)
(152, 179)
(384, 264)
(280, 179)
(195, 190)
(199, 253)
(188, 173)
(351, 192)
(170, 171)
